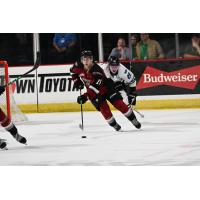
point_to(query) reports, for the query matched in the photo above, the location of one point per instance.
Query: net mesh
(7, 101)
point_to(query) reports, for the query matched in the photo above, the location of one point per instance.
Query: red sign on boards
(184, 78)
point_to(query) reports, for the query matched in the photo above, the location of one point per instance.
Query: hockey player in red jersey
(9, 126)
(99, 89)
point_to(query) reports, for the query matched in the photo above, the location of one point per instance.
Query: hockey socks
(11, 128)
(13, 131)
(131, 117)
(112, 122)
(128, 113)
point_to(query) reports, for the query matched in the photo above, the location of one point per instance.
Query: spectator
(195, 51)
(65, 45)
(121, 51)
(134, 41)
(148, 49)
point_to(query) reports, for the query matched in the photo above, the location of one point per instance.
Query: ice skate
(136, 123)
(19, 138)
(117, 127)
(3, 144)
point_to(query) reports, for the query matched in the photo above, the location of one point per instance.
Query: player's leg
(106, 112)
(104, 108)
(128, 112)
(118, 103)
(11, 128)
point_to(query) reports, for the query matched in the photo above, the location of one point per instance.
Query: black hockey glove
(119, 86)
(2, 90)
(78, 84)
(132, 99)
(82, 99)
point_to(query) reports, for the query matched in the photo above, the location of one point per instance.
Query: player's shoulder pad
(104, 65)
(106, 70)
(97, 71)
(126, 74)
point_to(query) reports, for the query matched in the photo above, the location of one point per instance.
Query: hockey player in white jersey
(123, 78)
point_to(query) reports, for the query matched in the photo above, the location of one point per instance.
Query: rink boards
(143, 105)
(50, 88)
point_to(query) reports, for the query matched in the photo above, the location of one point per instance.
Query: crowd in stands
(142, 49)
(62, 48)
(145, 48)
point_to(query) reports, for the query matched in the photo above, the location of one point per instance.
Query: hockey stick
(139, 113)
(81, 125)
(35, 66)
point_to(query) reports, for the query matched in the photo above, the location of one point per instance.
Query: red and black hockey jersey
(94, 79)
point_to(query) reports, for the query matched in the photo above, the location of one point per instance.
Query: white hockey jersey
(123, 75)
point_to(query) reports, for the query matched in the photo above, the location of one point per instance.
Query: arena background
(50, 88)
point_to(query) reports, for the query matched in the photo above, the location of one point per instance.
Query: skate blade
(121, 130)
(4, 149)
(127, 131)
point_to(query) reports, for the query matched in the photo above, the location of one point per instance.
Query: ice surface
(167, 137)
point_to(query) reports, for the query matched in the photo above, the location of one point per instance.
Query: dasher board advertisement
(49, 84)
(167, 77)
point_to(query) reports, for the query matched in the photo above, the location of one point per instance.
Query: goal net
(7, 101)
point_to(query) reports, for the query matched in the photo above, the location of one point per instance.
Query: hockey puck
(84, 136)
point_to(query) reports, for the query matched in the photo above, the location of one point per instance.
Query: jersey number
(128, 75)
(99, 82)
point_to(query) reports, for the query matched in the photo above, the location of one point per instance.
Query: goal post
(7, 101)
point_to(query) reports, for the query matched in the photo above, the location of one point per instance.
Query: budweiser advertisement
(165, 78)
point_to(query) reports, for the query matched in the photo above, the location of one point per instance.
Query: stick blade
(81, 127)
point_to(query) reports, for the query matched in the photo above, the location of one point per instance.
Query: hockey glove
(82, 99)
(119, 86)
(2, 90)
(78, 84)
(132, 99)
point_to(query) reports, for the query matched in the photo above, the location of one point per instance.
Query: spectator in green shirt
(148, 49)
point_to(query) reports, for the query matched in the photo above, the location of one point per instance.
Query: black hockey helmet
(87, 53)
(113, 64)
(113, 61)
